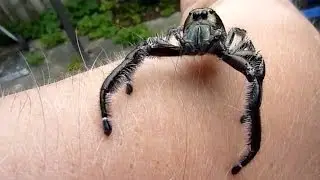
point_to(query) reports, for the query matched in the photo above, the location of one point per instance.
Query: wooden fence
(15, 10)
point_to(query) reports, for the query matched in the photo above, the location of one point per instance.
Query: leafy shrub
(132, 35)
(97, 26)
(167, 11)
(128, 14)
(95, 20)
(108, 5)
(28, 30)
(168, 7)
(53, 39)
(34, 58)
(124, 13)
(104, 31)
(81, 8)
(47, 23)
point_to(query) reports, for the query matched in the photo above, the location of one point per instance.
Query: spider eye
(211, 11)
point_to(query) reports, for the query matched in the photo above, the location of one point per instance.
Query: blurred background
(44, 41)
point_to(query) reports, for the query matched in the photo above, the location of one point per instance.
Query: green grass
(75, 64)
(132, 35)
(34, 58)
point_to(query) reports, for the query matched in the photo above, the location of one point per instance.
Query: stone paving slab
(16, 76)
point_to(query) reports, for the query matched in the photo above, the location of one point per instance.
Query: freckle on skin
(271, 165)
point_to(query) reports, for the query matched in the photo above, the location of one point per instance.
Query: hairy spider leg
(123, 72)
(250, 64)
(245, 43)
(172, 31)
(251, 117)
(175, 32)
(241, 56)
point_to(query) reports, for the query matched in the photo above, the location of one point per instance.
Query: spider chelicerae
(202, 33)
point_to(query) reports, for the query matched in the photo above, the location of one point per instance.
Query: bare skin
(182, 120)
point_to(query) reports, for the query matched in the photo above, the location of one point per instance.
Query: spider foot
(107, 128)
(235, 169)
(129, 88)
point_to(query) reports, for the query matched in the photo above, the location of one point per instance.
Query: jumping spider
(202, 33)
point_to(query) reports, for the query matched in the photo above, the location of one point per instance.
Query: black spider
(203, 33)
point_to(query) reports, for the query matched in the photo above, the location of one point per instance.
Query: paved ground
(16, 75)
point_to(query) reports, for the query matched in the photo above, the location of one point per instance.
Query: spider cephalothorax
(203, 30)
(202, 33)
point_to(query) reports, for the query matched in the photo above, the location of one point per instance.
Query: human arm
(182, 120)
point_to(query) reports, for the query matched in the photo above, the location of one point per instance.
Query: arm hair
(182, 119)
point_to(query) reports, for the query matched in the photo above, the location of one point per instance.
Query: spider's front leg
(244, 59)
(176, 32)
(186, 45)
(254, 70)
(238, 42)
(124, 71)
